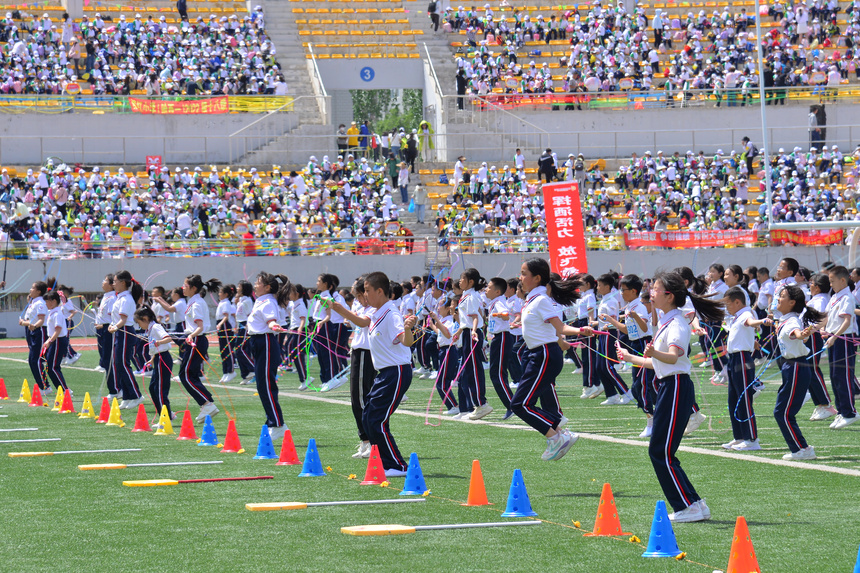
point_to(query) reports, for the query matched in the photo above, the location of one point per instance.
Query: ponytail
(230, 291)
(132, 285)
(564, 292)
(808, 315)
(674, 283)
(145, 312)
(478, 282)
(196, 281)
(279, 286)
(695, 284)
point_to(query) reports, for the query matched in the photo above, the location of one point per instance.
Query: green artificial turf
(55, 517)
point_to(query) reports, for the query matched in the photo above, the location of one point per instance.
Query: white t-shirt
(386, 325)
(298, 310)
(470, 306)
(196, 309)
(515, 307)
(56, 319)
(790, 348)
(359, 334)
(498, 324)
(179, 314)
(741, 337)
(537, 311)
(674, 330)
(449, 323)
(265, 310)
(633, 330)
(123, 305)
(226, 309)
(243, 309)
(841, 305)
(155, 333)
(609, 305)
(105, 307)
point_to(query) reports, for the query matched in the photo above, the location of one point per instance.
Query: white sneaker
(747, 446)
(405, 398)
(453, 411)
(691, 514)
(335, 383)
(704, 365)
(393, 473)
(730, 445)
(249, 377)
(419, 370)
(229, 377)
(612, 400)
(706, 511)
(760, 361)
(578, 371)
(595, 391)
(557, 446)
(461, 416)
(694, 423)
(48, 390)
(486, 365)
(585, 393)
(111, 397)
(74, 358)
(562, 423)
(481, 411)
(822, 413)
(649, 429)
(757, 390)
(363, 451)
(208, 409)
(64, 361)
(175, 379)
(99, 369)
(248, 381)
(433, 375)
(278, 432)
(835, 421)
(568, 360)
(625, 398)
(138, 372)
(807, 453)
(807, 398)
(306, 384)
(844, 422)
(124, 405)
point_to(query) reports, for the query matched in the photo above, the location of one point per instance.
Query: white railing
(436, 106)
(318, 86)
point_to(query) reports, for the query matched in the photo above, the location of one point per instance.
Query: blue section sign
(367, 74)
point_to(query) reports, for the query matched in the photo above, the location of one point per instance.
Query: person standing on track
(128, 291)
(104, 339)
(34, 324)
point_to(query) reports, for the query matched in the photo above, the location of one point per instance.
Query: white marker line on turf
(595, 437)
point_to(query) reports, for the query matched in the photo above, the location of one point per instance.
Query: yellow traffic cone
(87, 408)
(25, 393)
(58, 400)
(165, 428)
(115, 418)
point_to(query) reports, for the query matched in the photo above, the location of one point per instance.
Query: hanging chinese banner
(818, 237)
(182, 107)
(690, 239)
(564, 228)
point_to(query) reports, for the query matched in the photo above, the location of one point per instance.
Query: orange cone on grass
(607, 523)
(36, 399)
(375, 473)
(742, 558)
(104, 413)
(477, 491)
(25, 392)
(3, 394)
(289, 457)
(58, 400)
(231, 441)
(68, 406)
(186, 432)
(141, 423)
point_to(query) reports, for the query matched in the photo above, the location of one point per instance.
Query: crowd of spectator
(214, 55)
(612, 49)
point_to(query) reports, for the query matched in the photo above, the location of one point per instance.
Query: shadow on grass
(443, 476)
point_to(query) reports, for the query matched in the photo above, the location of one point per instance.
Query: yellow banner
(260, 104)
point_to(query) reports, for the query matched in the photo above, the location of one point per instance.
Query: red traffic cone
(289, 457)
(36, 399)
(104, 413)
(3, 394)
(187, 431)
(375, 473)
(141, 423)
(68, 407)
(231, 441)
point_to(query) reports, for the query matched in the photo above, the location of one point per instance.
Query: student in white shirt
(713, 341)
(502, 343)
(792, 331)
(543, 334)
(362, 372)
(428, 346)
(446, 328)
(160, 361)
(667, 356)
(120, 377)
(819, 289)
(55, 346)
(586, 313)
(609, 380)
(331, 332)
(34, 330)
(177, 308)
(69, 311)
(515, 307)
(390, 338)
(762, 303)
(225, 315)
(194, 349)
(104, 339)
(241, 352)
(297, 339)
(472, 377)
(838, 336)
(271, 291)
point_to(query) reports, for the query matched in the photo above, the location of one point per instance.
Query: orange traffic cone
(289, 457)
(607, 522)
(477, 491)
(186, 432)
(36, 399)
(375, 473)
(141, 423)
(742, 559)
(68, 406)
(3, 394)
(104, 413)
(231, 441)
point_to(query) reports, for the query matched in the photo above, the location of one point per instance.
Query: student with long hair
(608, 378)
(69, 311)
(697, 286)
(128, 291)
(819, 290)
(56, 346)
(225, 315)
(445, 326)
(586, 312)
(241, 351)
(838, 336)
(160, 361)
(297, 339)
(271, 291)
(35, 332)
(329, 340)
(104, 339)
(543, 331)
(667, 356)
(472, 377)
(714, 338)
(795, 326)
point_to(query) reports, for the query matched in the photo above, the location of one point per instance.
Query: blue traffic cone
(415, 484)
(857, 566)
(661, 541)
(209, 438)
(265, 449)
(312, 466)
(518, 498)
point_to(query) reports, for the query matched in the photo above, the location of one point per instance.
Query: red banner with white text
(198, 106)
(817, 237)
(690, 239)
(564, 226)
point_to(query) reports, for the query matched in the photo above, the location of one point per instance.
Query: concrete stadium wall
(111, 139)
(370, 74)
(86, 275)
